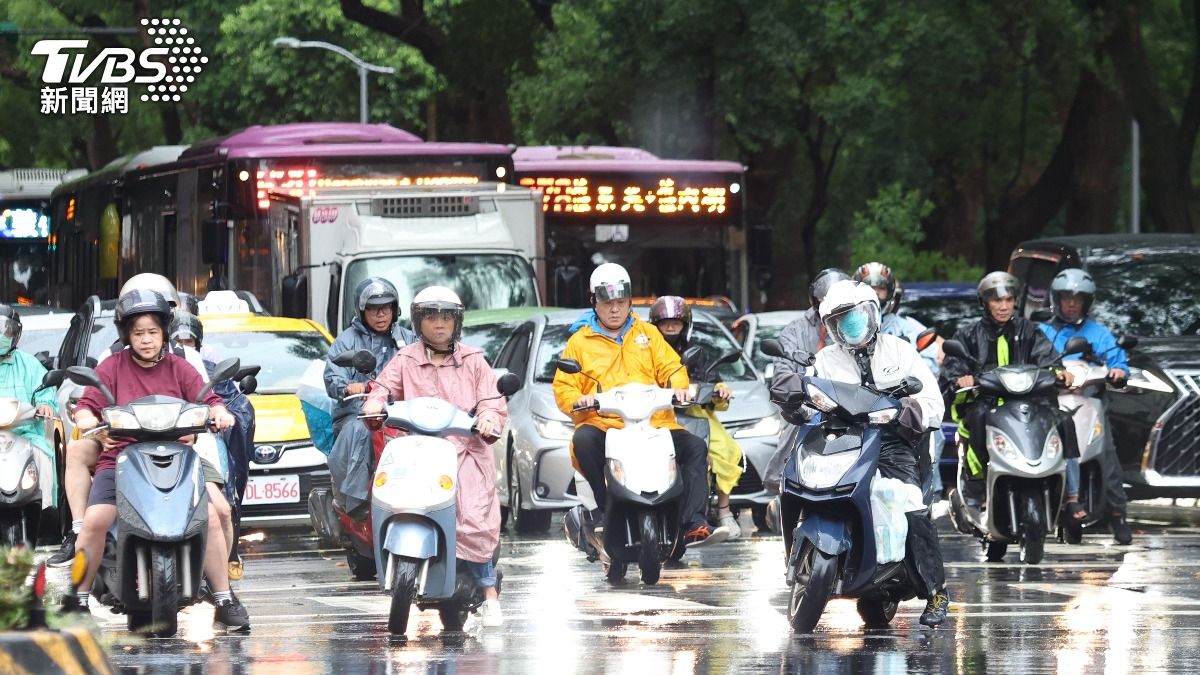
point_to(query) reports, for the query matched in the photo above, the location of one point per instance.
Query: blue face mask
(853, 325)
(6, 344)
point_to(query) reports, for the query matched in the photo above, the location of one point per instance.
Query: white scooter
(27, 478)
(644, 486)
(414, 506)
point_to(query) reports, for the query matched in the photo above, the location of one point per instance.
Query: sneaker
(702, 536)
(936, 609)
(1120, 529)
(66, 553)
(233, 615)
(730, 525)
(491, 613)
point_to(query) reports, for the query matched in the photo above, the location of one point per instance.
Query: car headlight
(884, 416)
(1017, 382)
(766, 426)
(824, 471)
(819, 399)
(121, 419)
(9, 408)
(999, 443)
(618, 471)
(1144, 379)
(193, 417)
(30, 478)
(157, 416)
(1097, 431)
(1053, 447)
(555, 430)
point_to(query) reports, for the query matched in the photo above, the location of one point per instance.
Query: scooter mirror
(226, 369)
(569, 366)
(248, 384)
(957, 350)
(691, 356)
(508, 384)
(86, 377)
(912, 386)
(926, 338)
(771, 347)
(364, 362)
(53, 378)
(1076, 345)
(1127, 342)
(731, 356)
(247, 371)
(346, 359)
(45, 359)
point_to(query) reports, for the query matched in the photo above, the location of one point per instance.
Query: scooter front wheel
(877, 612)
(648, 558)
(814, 584)
(1033, 528)
(164, 592)
(404, 593)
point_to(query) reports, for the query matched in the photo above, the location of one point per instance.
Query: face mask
(6, 344)
(853, 325)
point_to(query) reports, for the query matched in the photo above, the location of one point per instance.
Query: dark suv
(1147, 286)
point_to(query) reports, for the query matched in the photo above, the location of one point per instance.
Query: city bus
(25, 232)
(678, 226)
(202, 217)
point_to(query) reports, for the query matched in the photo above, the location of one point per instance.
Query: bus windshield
(482, 281)
(24, 256)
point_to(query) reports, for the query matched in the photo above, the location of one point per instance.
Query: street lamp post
(363, 66)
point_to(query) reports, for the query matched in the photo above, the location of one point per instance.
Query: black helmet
(10, 327)
(376, 291)
(136, 303)
(189, 303)
(673, 307)
(186, 326)
(822, 282)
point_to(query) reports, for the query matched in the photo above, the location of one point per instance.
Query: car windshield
(767, 332)
(489, 338)
(1147, 292)
(707, 334)
(283, 356)
(943, 312)
(481, 281)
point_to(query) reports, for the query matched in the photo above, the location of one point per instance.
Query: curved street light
(363, 66)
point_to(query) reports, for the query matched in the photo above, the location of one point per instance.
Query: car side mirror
(508, 384)
(1076, 345)
(569, 366)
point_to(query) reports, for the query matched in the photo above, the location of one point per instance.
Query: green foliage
(889, 230)
(15, 594)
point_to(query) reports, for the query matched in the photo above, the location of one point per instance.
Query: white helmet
(437, 300)
(850, 312)
(148, 281)
(610, 281)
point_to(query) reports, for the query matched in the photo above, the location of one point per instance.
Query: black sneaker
(66, 553)
(936, 609)
(1120, 529)
(233, 615)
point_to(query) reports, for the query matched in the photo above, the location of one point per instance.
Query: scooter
(26, 473)
(1026, 471)
(154, 554)
(644, 486)
(412, 525)
(826, 500)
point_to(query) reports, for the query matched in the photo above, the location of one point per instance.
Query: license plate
(272, 490)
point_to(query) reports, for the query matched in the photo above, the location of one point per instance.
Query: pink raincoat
(463, 378)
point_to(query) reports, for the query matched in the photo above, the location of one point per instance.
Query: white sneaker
(730, 524)
(491, 614)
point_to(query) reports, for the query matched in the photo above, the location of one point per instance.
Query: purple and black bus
(198, 214)
(677, 225)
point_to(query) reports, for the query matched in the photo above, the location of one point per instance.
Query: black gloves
(910, 424)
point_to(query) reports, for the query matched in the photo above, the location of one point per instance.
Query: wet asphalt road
(1088, 609)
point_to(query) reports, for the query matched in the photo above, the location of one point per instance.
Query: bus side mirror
(295, 296)
(214, 242)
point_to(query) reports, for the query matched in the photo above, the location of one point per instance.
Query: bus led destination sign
(668, 198)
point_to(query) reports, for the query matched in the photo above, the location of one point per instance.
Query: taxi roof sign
(223, 302)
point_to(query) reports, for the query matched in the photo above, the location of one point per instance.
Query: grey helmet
(997, 285)
(1072, 281)
(187, 326)
(376, 291)
(148, 281)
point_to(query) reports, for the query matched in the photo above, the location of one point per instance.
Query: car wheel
(525, 521)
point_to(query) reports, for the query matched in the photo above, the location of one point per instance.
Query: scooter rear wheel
(648, 557)
(404, 592)
(453, 618)
(361, 567)
(877, 612)
(814, 584)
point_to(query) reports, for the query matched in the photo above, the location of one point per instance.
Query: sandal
(1076, 512)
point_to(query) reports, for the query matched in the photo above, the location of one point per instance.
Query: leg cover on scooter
(923, 556)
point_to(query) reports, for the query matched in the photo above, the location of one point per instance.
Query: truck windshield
(482, 281)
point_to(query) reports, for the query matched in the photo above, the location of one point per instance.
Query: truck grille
(435, 206)
(1177, 448)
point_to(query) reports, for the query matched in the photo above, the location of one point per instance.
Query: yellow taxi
(285, 466)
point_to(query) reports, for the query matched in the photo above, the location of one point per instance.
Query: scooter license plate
(272, 490)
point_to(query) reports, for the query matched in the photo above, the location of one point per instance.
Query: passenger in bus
(376, 329)
(442, 367)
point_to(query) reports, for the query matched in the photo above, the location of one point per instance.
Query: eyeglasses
(379, 309)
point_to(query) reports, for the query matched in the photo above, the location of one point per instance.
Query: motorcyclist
(859, 353)
(887, 288)
(441, 366)
(999, 338)
(376, 329)
(20, 374)
(187, 331)
(148, 368)
(616, 347)
(673, 318)
(1071, 294)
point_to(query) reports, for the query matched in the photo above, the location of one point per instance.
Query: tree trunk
(101, 144)
(1095, 151)
(959, 194)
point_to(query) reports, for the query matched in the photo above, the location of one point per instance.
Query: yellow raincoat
(724, 453)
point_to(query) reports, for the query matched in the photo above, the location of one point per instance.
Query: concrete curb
(70, 651)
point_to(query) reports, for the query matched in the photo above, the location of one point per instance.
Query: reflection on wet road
(1089, 609)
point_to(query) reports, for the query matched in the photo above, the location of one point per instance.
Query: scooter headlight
(1053, 448)
(121, 419)
(819, 399)
(555, 430)
(1017, 382)
(30, 478)
(445, 482)
(9, 408)
(192, 417)
(766, 426)
(821, 472)
(157, 416)
(1000, 443)
(617, 470)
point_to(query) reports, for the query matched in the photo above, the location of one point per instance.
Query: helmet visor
(612, 290)
(184, 333)
(9, 327)
(854, 327)
(1000, 291)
